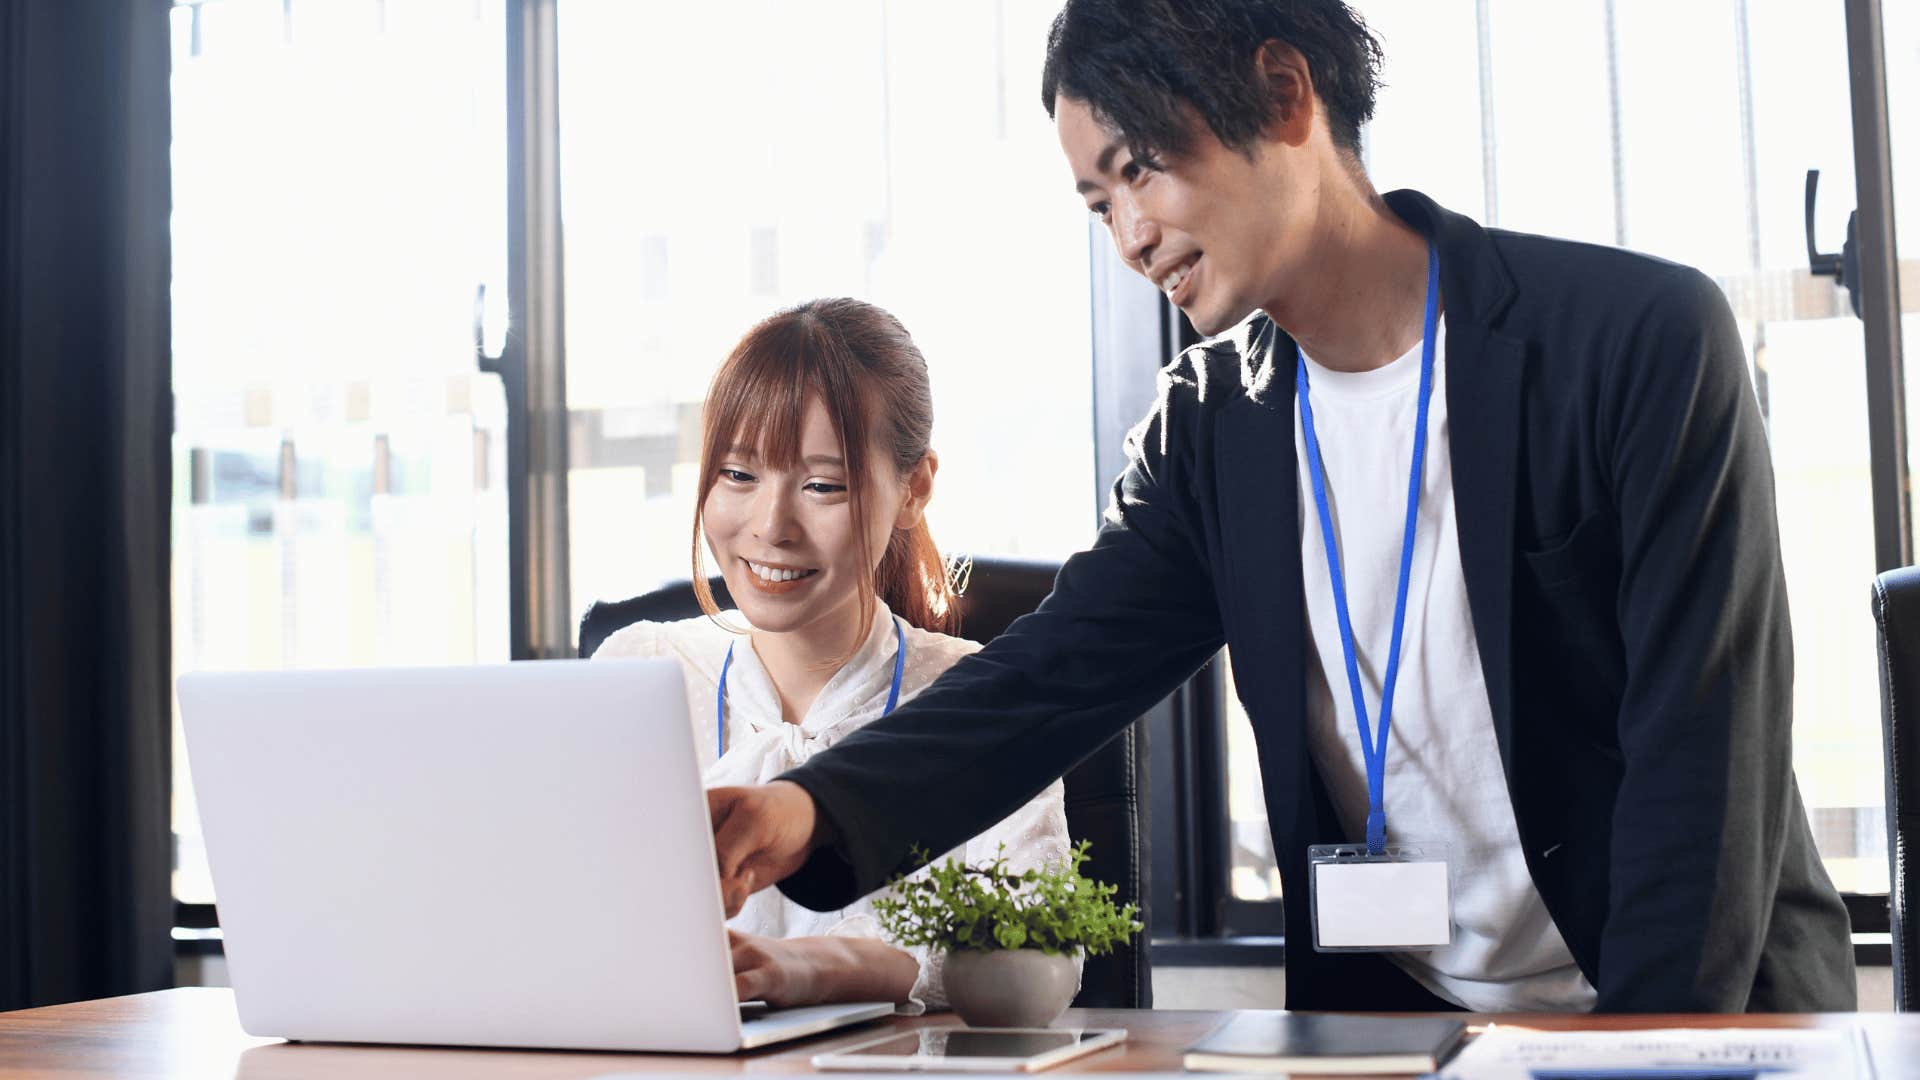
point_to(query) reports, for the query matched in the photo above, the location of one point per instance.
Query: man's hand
(760, 835)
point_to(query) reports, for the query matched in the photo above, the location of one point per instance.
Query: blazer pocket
(1590, 548)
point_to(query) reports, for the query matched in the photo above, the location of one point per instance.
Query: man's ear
(919, 492)
(1290, 86)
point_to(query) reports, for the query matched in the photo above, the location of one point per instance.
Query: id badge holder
(1399, 901)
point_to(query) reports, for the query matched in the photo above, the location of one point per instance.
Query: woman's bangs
(763, 407)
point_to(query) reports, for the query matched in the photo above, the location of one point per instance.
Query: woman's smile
(776, 579)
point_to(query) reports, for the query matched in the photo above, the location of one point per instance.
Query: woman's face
(786, 539)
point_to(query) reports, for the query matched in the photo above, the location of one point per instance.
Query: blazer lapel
(1484, 374)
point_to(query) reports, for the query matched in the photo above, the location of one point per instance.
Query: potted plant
(1010, 938)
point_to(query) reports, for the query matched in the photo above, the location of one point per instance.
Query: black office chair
(1105, 794)
(1896, 609)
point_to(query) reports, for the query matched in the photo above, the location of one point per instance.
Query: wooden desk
(193, 1033)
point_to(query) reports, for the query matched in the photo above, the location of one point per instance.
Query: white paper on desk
(1514, 1053)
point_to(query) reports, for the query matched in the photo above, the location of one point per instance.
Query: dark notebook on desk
(1326, 1043)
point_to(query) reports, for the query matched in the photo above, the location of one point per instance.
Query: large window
(341, 245)
(722, 160)
(338, 190)
(341, 242)
(1684, 131)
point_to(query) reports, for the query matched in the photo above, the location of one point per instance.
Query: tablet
(964, 1049)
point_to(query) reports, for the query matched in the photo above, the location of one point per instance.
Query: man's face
(1210, 229)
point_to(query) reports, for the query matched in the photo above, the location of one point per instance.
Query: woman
(815, 477)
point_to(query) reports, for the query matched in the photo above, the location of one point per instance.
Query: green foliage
(987, 906)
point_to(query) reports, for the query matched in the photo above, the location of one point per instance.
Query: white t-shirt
(1444, 780)
(760, 746)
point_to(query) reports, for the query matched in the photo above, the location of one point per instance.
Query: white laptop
(503, 855)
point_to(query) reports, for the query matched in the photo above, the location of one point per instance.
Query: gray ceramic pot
(1010, 987)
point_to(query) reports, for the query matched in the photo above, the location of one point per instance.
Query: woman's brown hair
(871, 378)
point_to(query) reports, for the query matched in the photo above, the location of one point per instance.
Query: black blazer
(1621, 553)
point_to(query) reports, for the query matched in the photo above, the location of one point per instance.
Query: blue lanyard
(1375, 750)
(720, 692)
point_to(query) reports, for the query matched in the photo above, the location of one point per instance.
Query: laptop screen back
(504, 855)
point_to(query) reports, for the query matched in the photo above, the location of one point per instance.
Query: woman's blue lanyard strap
(720, 692)
(1372, 748)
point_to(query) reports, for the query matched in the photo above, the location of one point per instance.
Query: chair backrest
(1896, 609)
(1105, 794)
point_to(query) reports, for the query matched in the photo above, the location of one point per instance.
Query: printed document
(1508, 1052)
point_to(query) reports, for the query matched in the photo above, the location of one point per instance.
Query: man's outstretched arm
(1128, 621)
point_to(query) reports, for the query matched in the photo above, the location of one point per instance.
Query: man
(1516, 487)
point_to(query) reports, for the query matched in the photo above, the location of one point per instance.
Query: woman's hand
(813, 970)
(778, 971)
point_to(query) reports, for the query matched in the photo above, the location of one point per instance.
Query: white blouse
(760, 746)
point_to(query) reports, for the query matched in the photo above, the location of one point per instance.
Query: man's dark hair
(1134, 62)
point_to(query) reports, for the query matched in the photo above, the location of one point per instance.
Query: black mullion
(511, 364)
(1879, 286)
(1173, 880)
(1879, 308)
(1868, 912)
(1254, 918)
(1212, 828)
(194, 916)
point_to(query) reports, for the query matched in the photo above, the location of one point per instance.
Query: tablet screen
(954, 1043)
